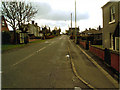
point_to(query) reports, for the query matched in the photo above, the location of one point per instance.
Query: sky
(58, 13)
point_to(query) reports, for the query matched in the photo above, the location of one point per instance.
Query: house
(33, 30)
(45, 32)
(72, 31)
(56, 31)
(4, 26)
(93, 35)
(111, 25)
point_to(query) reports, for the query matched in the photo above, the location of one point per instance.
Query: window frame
(112, 14)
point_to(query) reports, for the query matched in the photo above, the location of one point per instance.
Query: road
(47, 65)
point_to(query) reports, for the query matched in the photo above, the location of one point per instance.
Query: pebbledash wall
(99, 52)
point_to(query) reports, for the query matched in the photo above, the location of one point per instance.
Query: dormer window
(112, 14)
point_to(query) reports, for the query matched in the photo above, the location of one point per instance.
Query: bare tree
(25, 13)
(17, 13)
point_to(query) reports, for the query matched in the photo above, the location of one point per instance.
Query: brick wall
(83, 44)
(115, 60)
(97, 51)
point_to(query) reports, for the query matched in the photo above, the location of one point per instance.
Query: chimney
(33, 22)
(99, 28)
(36, 24)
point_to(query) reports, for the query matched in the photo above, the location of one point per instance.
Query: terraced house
(111, 25)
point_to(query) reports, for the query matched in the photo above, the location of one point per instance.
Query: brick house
(111, 25)
(4, 26)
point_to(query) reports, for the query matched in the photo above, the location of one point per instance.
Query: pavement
(48, 65)
(87, 71)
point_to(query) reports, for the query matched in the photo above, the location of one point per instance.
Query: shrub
(6, 37)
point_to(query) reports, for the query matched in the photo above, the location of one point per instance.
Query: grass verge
(37, 41)
(9, 46)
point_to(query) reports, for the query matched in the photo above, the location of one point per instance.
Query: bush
(6, 37)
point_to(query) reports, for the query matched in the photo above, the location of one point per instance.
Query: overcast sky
(58, 13)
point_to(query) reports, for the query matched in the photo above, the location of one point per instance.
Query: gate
(107, 57)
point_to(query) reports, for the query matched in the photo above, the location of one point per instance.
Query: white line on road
(41, 49)
(27, 57)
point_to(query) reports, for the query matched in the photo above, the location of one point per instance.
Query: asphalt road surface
(47, 65)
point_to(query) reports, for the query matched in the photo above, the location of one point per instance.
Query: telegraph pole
(75, 25)
(71, 25)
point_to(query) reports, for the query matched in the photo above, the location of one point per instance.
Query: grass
(98, 46)
(37, 41)
(10, 46)
(6, 47)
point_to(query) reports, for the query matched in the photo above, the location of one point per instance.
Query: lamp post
(71, 26)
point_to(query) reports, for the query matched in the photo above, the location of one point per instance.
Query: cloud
(43, 8)
(46, 12)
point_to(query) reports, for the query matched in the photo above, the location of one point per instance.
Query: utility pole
(75, 25)
(71, 25)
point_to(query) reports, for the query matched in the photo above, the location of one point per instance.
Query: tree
(17, 13)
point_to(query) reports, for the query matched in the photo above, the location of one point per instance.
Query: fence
(109, 56)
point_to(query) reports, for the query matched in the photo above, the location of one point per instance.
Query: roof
(109, 3)
(5, 26)
(105, 4)
(74, 28)
(92, 31)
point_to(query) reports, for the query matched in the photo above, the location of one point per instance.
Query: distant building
(111, 25)
(72, 31)
(93, 35)
(33, 30)
(4, 26)
(56, 31)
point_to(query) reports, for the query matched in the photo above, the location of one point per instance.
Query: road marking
(27, 57)
(46, 42)
(41, 49)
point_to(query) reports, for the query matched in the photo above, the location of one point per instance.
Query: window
(3, 23)
(112, 14)
(111, 40)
